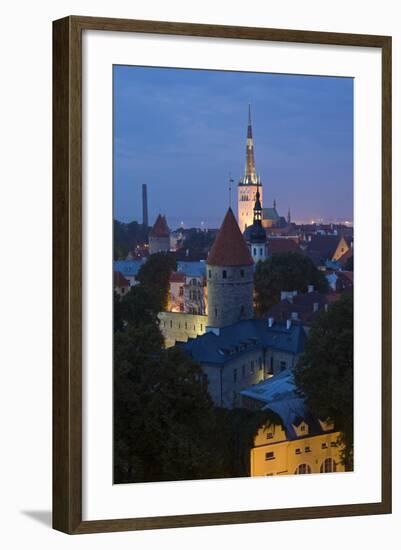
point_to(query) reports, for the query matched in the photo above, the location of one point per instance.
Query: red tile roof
(177, 277)
(229, 247)
(282, 245)
(120, 280)
(160, 228)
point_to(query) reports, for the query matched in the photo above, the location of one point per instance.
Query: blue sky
(183, 131)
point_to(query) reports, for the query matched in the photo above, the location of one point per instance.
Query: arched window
(328, 465)
(303, 469)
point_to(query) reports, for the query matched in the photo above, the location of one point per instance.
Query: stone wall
(178, 327)
(230, 294)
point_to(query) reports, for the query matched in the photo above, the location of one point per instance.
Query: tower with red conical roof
(159, 236)
(229, 276)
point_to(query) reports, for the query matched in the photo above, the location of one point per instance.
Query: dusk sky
(182, 132)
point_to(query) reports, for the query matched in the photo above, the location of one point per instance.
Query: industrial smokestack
(145, 219)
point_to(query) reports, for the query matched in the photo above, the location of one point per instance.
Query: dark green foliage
(236, 434)
(196, 245)
(349, 264)
(325, 372)
(155, 276)
(126, 237)
(139, 307)
(285, 271)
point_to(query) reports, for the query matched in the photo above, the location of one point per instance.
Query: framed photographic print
(222, 274)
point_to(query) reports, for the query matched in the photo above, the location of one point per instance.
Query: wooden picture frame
(67, 274)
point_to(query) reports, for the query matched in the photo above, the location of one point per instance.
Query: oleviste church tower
(248, 185)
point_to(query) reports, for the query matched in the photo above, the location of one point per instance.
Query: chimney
(270, 322)
(288, 324)
(311, 288)
(315, 306)
(145, 219)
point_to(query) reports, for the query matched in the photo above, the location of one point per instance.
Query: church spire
(250, 171)
(257, 209)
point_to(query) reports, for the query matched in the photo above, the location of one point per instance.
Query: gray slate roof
(242, 337)
(280, 396)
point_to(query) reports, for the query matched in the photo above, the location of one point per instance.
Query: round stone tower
(159, 236)
(229, 274)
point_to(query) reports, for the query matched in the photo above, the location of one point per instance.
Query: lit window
(307, 449)
(297, 451)
(324, 445)
(328, 466)
(269, 456)
(269, 435)
(303, 469)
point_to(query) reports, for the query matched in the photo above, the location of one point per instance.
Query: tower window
(224, 274)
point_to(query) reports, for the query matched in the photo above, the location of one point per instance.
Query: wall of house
(289, 455)
(277, 361)
(159, 244)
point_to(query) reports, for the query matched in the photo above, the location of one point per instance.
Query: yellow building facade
(274, 454)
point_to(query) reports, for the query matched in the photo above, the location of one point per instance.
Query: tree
(139, 307)
(155, 275)
(349, 264)
(324, 374)
(163, 415)
(196, 245)
(285, 271)
(127, 236)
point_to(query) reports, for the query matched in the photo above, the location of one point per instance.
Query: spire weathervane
(230, 181)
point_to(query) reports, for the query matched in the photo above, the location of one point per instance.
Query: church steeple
(257, 209)
(248, 184)
(250, 170)
(257, 234)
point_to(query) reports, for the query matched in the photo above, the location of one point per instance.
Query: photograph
(233, 263)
